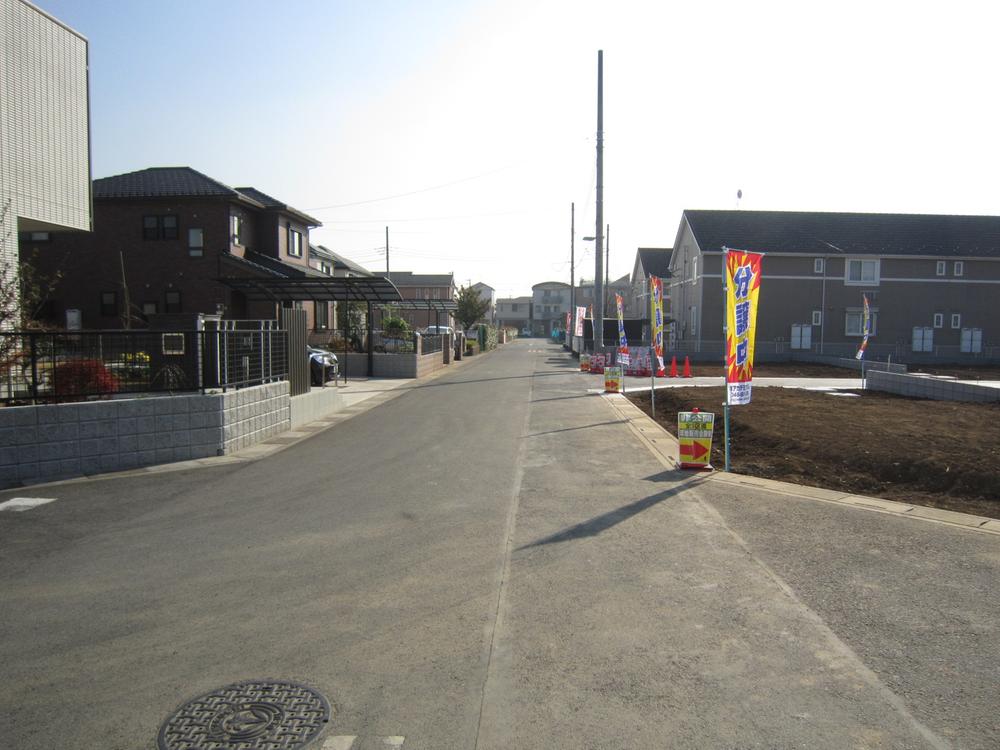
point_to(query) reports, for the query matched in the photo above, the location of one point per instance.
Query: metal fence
(49, 367)
(432, 343)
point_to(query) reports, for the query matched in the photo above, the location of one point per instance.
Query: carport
(372, 290)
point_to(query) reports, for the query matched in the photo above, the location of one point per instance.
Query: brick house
(429, 287)
(930, 281)
(162, 237)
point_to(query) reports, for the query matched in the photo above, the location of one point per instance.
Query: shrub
(83, 377)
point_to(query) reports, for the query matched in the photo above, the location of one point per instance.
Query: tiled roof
(275, 267)
(273, 203)
(408, 278)
(847, 233)
(161, 182)
(655, 261)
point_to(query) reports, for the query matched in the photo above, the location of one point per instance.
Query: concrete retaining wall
(314, 405)
(41, 443)
(921, 386)
(848, 363)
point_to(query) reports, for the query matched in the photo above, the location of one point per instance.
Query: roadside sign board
(585, 363)
(694, 433)
(612, 380)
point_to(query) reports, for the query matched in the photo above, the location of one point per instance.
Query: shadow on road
(605, 521)
(581, 427)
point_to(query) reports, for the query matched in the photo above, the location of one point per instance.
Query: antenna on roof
(739, 197)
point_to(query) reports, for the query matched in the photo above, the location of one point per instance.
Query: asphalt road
(493, 560)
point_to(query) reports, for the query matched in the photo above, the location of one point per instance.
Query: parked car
(323, 365)
(437, 330)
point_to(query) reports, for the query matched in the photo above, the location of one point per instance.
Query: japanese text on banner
(623, 356)
(866, 327)
(656, 317)
(742, 292)
(581, 313)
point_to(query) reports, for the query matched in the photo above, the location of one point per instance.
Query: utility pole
(607, 264)
(599, 254)
(572, 287)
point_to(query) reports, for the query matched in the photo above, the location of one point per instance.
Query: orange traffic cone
(687, 367)
(673, 367)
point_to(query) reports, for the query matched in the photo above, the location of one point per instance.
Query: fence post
(33, 344)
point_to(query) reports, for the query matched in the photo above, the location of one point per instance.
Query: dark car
(323, 365)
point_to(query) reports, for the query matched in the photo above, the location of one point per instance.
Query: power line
(412, 192)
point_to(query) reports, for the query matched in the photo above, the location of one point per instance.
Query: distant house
(549, 305)
(514, 312)
(333, 264)
(423, 286)
(931, 282)
(584, 297)
(487, 294)
(649, 261)
(162, 238)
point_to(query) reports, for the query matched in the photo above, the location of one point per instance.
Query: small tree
(471, 307)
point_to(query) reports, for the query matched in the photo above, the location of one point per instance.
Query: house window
(939, 320)
(149, 308)
(196, 243)
(513, 307)
(942, 268)
(168, 227)
(959, 268)
(294, 243)
(326, 268)
(818, 265)
(172, 302)
(956, 321)
(923, 339)
(159, 227)
(39, 236)
(322, 315)
(862, 272)
(109, 304)
(817, 317)
(545, 293)
(971, 341)
(236, 229)
(694, 268)
(854, 322)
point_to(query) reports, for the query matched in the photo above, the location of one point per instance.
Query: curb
(664, 447)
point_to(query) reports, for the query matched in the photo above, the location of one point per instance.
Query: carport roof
(318, 289)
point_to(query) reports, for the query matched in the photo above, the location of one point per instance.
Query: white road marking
(393, 741)
(21, 504)
(343, 742)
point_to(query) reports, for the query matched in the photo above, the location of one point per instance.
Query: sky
(468, 127)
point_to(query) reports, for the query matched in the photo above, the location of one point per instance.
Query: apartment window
(36, 236)
(818, 265)
(817, 317)
(513, 307)
(322, 315)
(939, 320)
(959, 268)
(172, 302)
(862, 272)
(109, 304)
(294, 243)
(854, 322)
(149, 308)
(196, 243)
(956, 321)
(236, 229)
(942, 268)
(545, 293)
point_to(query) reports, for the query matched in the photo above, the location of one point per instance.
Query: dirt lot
(936, 453)
(809, 370)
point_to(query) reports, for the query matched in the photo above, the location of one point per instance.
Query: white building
(487, 294)
(44, 130)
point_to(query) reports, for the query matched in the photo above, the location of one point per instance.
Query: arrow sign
(694, 451)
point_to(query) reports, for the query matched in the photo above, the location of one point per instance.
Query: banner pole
(652, 348)
(725, 332)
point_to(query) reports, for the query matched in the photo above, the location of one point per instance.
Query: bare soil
(810, 370)
(937, 453)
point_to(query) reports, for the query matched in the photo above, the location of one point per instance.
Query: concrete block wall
(919, 386)
(848, 363)
(254, 414)
(428, 363)
(59, 441)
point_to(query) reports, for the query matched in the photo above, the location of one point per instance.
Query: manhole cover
(247, 716)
